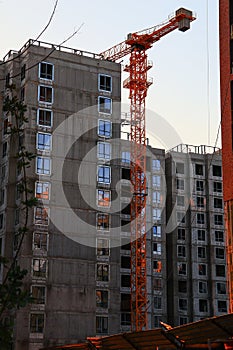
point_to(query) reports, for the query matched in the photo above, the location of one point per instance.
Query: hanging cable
(42, 32)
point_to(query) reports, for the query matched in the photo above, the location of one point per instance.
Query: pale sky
(186, 65)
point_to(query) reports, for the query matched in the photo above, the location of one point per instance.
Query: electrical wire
(208, 67)
(49, 54)
(42, 32)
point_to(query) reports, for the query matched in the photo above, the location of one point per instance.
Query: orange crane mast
(136, 46)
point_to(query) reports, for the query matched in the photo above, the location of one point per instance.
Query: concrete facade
(77, 252)
(195, 238)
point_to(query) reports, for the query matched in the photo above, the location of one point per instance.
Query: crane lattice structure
(136, 46)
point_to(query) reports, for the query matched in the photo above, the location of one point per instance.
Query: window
(125, 226)
(199, 169)
(7, 80)
(22, 93)
(125, 281)
(44, 142)
(201, 235)
(219, 253)
(200, 218)
(40, 241)
(125, 319)
(157, 303)
(202, 269)
(125, 208)
(104, 150)
(125, 157)
(200, 202)
(102, 247)
(4, 149)
(201, 252)
(102, 299)
(217, 187)
(125, 302)
(23, 71)
(103, 198)
(202, 287)
(220, 271)
(46, 71)
(182, 286)
(156, 231)
(222, 306)
(157, 266)
(41, 216)
(17, 216)
(45, 94)
(180, 201)
(157, 248)
(125, 262)
(156, 164)
(183, 320)
(181, 234)
(183, 304)
(203, 305)
(38, 294)
(181, 251)
(157, 284)
(104, 174)
(39, 268)
(102, 272)
(105, 83)
(218, 204)
(221, 288)
(125, 191)
(43, 165)
(156, 197)
(199, 185)
(180, 168)
(156, 214)
(1, 221)
(37, 323)
(182, 269)
(105, 105)
(125, 244)
(42, 190)
(6, 124)
(217, 170)
(218, 219)
(180, 217)
(2, 196)
(157, 320)
(104, 128)
(102, 222)
(156, 181)
(101, 325)
(219, 236)
(179, 184)
(125, 173)
(45, 118)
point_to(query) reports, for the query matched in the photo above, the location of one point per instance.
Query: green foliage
(13, 296)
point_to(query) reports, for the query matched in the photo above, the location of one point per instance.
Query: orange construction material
(136, 45)
(229, 245)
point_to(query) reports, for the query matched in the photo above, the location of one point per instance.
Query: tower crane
(136, 46)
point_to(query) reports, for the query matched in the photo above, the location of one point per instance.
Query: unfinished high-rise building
(77, 249)
(196, 256)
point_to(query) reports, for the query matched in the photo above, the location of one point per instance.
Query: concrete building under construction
(77, 251)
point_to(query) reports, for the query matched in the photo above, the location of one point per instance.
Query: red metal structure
(226, 89)
(136, 45)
